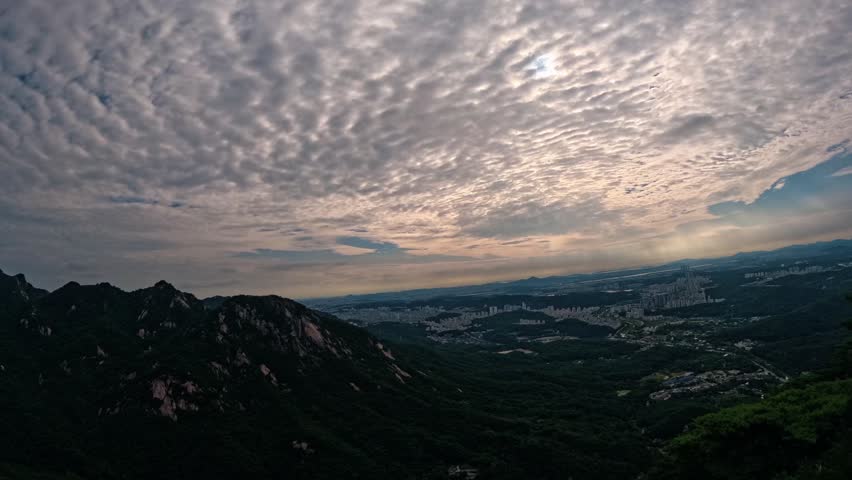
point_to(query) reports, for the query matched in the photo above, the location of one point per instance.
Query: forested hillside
(804, 431)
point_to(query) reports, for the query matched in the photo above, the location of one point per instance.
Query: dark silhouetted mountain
(16, 294)
(149, 384)
(214, 302)
(99, 383)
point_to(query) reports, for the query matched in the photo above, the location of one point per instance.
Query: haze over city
(325, 148)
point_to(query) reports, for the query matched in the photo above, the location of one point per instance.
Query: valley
(594, 377)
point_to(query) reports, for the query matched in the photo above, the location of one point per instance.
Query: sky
(330, 147)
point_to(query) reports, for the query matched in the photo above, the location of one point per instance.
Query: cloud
(522, 219)
(687, 127)
(365, 252)
(366, 244)
(816, 190)
(133, 200)
(261, 123)
(842, 172)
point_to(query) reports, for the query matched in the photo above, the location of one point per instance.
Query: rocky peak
(186, 357)
(280, 322)
(69, 286)
(14, 289)
(162, 284)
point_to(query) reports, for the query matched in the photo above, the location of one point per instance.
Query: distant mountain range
(527, 285)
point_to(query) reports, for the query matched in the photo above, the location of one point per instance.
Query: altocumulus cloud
(154, 139)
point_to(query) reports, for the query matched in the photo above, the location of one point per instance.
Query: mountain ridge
(88, 360)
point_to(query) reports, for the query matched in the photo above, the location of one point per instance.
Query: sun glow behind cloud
(322, 147)
(542, 66)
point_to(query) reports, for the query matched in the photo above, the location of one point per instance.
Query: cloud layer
(335, 146)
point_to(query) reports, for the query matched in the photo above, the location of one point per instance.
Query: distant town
(688, 290)
(681, 308)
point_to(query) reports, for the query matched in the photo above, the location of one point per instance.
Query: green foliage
(18, 472)
(803, 431)
(765, 439)
(577, 408)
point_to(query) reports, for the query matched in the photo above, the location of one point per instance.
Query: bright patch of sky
(542, 66)
(842, 172)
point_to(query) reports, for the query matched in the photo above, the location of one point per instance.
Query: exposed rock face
(281, 324)
(174, 396)
(219, 370)
(159, 389)
(386, 352)
(100, 373)
(185, 355)
(313, 332)
(302, 446)
(268, 373)
(242, 359)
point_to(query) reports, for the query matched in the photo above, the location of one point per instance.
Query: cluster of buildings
(526, 321)
(689, 382)
(472, 315)
(388, 314)
(448, 324)
(570, 312)
(436, 320)
(610, 316)
(494, 310)
(795, 270)
(427, 313)
(630, 310)
(683, 292)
